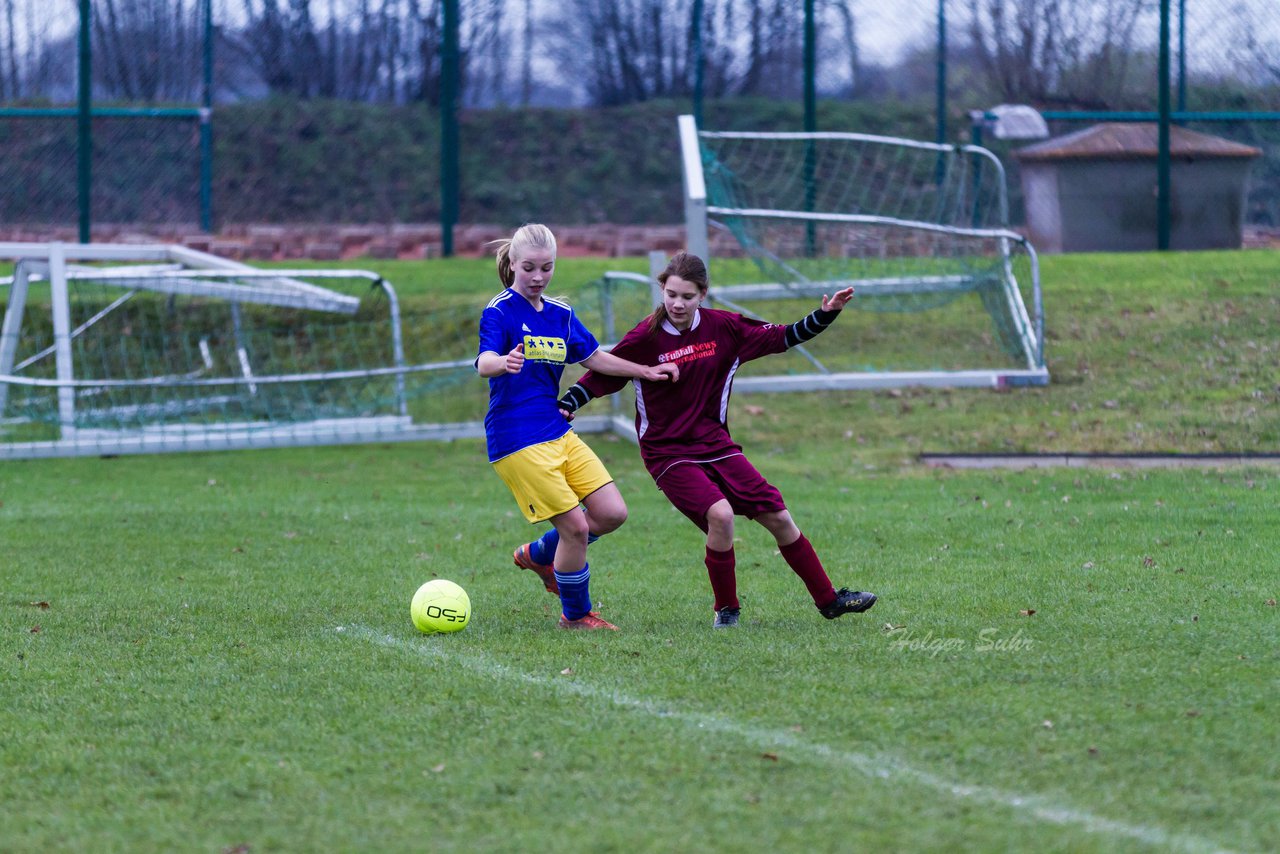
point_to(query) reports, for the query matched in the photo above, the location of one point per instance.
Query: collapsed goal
(950, 293)
(119, 349)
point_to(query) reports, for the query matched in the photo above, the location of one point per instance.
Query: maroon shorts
(692, 487)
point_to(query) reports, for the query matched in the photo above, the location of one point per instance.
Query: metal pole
(810, 64)
(810, 123)
(1162, 158)
(449, 164)
(941, 97)
(1182, 56)
(695, 191)
(84, 124)
(975, 138)
(696, 59)
(60, 300)
(206, 124)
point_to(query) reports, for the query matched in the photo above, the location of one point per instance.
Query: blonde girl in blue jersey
(526, 339)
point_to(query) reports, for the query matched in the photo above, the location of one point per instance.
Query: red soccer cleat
(590, 621)
(524, 560)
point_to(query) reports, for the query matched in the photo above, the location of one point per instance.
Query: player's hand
(515, 359)
(837, 302)
(566, 414)
(660, 373)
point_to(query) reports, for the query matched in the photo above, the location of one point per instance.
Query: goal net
(919, 230)
(130, 349)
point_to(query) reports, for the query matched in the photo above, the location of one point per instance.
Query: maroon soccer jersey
(687, 420)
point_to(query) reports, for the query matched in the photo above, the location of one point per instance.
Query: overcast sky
(1217, 30)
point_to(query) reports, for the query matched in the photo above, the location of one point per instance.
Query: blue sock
(575, 592)
(543, 549)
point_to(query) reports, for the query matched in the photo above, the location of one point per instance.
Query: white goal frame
(699, 215)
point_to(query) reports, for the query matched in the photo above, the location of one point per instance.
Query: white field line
(878, 766)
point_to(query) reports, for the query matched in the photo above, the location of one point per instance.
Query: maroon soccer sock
(803, 560)
(721, 569)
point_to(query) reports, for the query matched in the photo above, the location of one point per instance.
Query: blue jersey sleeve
(581, 342)
(493, 334)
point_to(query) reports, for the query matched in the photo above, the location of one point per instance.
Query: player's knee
(574, 534)
(781, 525)
(609, 519)
(720, 521)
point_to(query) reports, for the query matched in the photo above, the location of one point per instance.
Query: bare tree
(636, 50)
(147, 50)
(1078, 51)
(1247, 45)
(847, 27)
(283, 46)
(625, 51)
(10, 79)
(489, 52)
(526, 55)
(728, 66)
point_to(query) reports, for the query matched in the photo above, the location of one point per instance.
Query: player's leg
(573, 576)
(604, 510)
(720, 525)
(542, 551)
(799, 554)
(693, 493)
(535, 476)
(603, 504)
(757, 499)
(722, 565)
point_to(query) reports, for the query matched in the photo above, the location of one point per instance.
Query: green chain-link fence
(358, 85)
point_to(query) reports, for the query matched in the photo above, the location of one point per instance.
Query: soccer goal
(950, 295)
(118, 349)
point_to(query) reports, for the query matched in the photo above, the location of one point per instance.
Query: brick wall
(408, 241)
(337, 242)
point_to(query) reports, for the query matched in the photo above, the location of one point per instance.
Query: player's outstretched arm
(817, 321)
(607, 363)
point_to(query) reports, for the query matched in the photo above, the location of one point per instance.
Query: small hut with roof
(1095, 189)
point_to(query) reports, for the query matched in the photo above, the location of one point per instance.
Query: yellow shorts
(552, 477)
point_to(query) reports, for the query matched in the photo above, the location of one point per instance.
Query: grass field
(212, 652)
(1154, 353)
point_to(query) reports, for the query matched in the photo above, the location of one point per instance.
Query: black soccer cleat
(726, 618)
(848, 602)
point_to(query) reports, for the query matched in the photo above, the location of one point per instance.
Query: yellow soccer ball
(440, 606)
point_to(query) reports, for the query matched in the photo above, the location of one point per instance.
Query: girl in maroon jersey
(684, 435)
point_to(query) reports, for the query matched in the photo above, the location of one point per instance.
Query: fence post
(810, 124)
(942, 73)
(1162, 157)
(1182, 56)
(696, 59)
(84, 124)
(449, 129)
(206, 124)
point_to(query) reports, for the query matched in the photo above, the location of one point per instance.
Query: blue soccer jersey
(523, 408)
